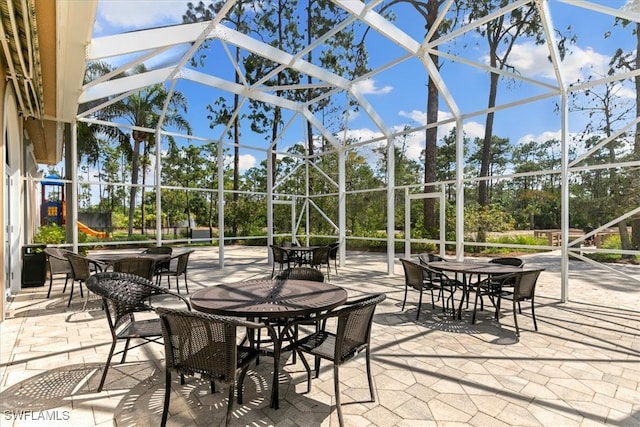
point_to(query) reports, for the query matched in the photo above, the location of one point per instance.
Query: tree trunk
(431, 135)
(135, 166)
(431, 139)
(483, 186)
(145, 156)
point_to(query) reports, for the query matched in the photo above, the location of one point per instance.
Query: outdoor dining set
(220, 330)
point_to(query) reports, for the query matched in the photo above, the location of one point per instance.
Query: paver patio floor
(581, 368)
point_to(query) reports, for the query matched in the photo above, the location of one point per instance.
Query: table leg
(464, 294)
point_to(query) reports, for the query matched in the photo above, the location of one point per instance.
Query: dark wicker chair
(320, 257)
(280, 257)
(162, 250)
(81, 269)
(523, 289)
(352, 335)
(124, 295)
(198, 343)
(140, 266)
(421, 277)
(181, 264)
(301, 273)
(58, 263)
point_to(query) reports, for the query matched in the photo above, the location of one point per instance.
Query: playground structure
(53, 206)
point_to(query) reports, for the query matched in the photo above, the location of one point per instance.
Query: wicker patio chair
(124, 295)
(82, 268)
(140, 266)
(517, 287)
(58, 263)
(280, 257)
(320, 257)
(181, 264)
(422, 277)
(204, 344)
(352, 335)
(162, 250)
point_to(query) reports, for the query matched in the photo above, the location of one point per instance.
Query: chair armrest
(164, 292)
(98, 266)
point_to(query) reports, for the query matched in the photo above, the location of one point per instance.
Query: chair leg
(406, 290)
(66, 279)
(167, 396)
(243, 373)
(230, 405)
(369, 378)
(126, 348)
(307, 368)
(185, 282)
(106, 367)
(515, 319)
(50, 285)
(533, 314)
(177, 284)
(419, 305)
(336, 381)
(71, 293)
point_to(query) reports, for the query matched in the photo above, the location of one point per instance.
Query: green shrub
(50, 235)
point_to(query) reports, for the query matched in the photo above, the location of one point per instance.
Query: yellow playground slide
(91, 232)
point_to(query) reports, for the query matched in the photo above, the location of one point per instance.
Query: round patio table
(284, 300)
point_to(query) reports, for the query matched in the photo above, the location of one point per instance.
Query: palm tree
(144, 109)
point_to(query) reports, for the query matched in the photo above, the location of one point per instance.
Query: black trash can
(34, 266)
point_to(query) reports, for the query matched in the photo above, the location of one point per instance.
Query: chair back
(516, 262)
(123, 295)
(427, 258)
(140, 266)
(183, 261)
(279, 254)
(320, 256)
(525, 286)
(201, 343)
(80, 266)
(163, 250)
(333, 250)
(57, 260)
(414, 274)
(353, 331)
(301, 273)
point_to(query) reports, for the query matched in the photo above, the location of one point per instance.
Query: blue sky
(399, 94)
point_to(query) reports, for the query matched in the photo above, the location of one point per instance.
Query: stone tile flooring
(581, 368)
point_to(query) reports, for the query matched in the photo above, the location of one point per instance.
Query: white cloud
(247, 161)
(542, 137)
(532, 60)
(368, 87)
(417, 116)
(130, 14)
